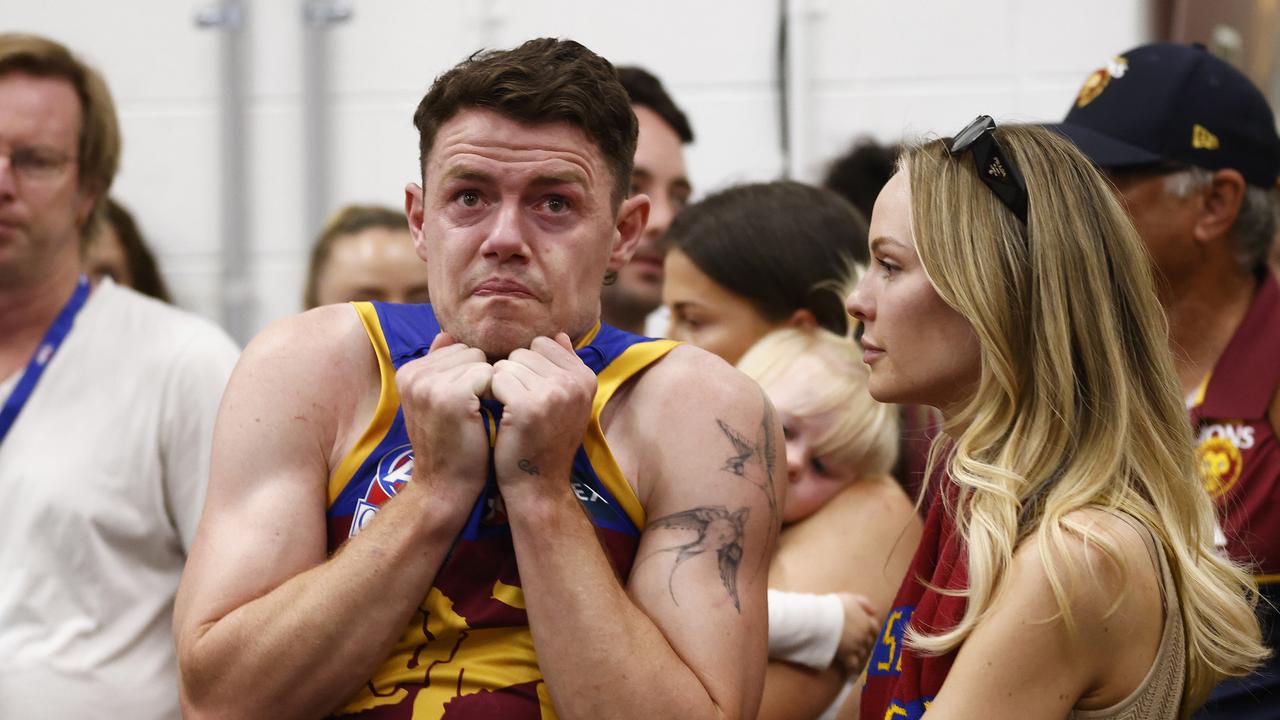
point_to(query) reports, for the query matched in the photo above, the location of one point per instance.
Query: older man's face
(1165, 222)
(42, 205)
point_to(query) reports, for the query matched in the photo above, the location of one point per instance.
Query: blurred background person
(365, 252)
(1068, 565)
(755, 258)
(107, 405)
(114, 248)
(1191, 145)
(859, 174)
(848, 528)
(636, 291)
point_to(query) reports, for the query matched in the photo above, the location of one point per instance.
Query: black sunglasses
(995, 167)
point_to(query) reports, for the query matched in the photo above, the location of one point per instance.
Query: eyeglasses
(37, 164)
(995, 167)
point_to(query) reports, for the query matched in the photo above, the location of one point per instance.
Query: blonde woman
(1068, 569)
(849, 530)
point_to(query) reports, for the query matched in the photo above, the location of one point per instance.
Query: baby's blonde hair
(863, 434)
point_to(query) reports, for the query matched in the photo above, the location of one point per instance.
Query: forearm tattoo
(719, 531)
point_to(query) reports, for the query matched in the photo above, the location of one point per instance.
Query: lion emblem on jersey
(1220, 465)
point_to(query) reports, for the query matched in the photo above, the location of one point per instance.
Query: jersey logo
(1220, 465)
(1238, 433)
(587, 494)
(495, 510)
(886, 657)
(394, 470)
(913, 710)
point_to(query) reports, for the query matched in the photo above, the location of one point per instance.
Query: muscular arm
(685, 636)
(860, 542)
(263, 617)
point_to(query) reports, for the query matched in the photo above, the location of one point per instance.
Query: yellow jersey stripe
(383, 415)
(512, 595)
(1197, 397)
(631, 361)
(586, 339)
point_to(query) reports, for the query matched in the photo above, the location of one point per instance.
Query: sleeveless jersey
(467, 652)
(1239, 458)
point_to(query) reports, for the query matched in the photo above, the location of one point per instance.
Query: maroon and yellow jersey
(1239, 458)
(467, 652)
(1237, 448)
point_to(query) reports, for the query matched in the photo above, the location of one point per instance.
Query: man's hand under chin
(547, 392)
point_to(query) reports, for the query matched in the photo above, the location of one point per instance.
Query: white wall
(886, 68)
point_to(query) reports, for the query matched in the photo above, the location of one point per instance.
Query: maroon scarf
(900, 682)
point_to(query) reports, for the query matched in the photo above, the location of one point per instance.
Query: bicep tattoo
(763, 453)
(718, 531)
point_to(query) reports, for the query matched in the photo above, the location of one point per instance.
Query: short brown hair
(98, 154)
(350, 220)
(645, 89)
(542, 81)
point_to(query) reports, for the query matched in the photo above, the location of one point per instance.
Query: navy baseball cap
(1173, 102)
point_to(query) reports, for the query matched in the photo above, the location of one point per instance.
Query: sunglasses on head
(995, 167)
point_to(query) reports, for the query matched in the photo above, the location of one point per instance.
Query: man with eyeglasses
(107, 402)
(1191, 146)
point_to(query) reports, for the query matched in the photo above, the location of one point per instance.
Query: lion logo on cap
(1098, 81)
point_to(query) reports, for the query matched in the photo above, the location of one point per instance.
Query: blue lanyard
(40, 358)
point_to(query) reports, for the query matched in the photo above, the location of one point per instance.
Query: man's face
(1166, 223)
(377, 263)
(42, 205)
(660, 174)
(518, 228)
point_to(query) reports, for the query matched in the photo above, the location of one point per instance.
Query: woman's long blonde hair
(1077, 404)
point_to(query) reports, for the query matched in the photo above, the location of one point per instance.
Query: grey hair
(1254, 230)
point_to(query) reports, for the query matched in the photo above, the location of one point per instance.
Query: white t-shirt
(102, 479)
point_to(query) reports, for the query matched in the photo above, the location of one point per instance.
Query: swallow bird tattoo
(766, 454)
(743, 450)
(719, 531)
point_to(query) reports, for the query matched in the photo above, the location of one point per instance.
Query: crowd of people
(987, 426)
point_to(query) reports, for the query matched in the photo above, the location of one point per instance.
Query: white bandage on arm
(805, 629)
